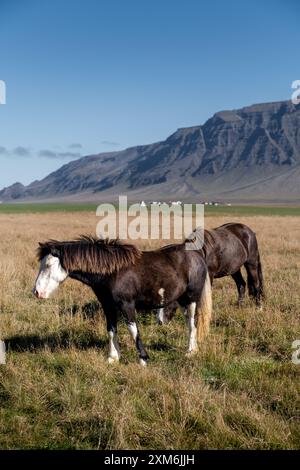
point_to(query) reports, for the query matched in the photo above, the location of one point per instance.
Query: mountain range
(250, 154)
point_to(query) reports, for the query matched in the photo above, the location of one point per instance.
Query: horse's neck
(201, 240)
(86, 278)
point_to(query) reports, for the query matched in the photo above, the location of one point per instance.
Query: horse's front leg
(130, 317)
(114, 349)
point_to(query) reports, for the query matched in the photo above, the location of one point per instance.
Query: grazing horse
(125, 279)
(226, 249)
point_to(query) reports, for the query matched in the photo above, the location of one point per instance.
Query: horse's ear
(55, 252)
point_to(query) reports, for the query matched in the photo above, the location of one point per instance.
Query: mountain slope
(249, 154)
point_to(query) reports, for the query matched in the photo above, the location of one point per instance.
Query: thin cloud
(44, 153)
(109, 143)
(3, 151)
(58, 155)
(69, 155)
(47, 154)
(21, 151)
(75, 146)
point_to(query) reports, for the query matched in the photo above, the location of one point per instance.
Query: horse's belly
(230, 261)
(158, 297)
(226, 271)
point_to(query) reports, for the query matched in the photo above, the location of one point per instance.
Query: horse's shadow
(68, 338)
(54, 341)
(63, 339)
(159, 346)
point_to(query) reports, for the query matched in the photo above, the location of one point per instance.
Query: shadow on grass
(159, 346)
(54, 341)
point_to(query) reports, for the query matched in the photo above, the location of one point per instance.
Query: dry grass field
(241, 391)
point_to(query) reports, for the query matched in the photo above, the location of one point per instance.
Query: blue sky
(89, 76)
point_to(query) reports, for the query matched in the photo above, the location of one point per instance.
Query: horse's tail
(204, 310)
(260, 278)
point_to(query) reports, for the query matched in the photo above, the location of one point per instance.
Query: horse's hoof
(112, 360)
(143, 362)
(191, 353)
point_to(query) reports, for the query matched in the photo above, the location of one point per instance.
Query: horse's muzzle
(37, 294)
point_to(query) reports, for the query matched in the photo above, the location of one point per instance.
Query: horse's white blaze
(160, 313)
(114, 353)
(51, 274)
(143, 362)
(133, 330)
(191, 310)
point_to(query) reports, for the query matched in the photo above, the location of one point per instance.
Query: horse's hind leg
(253, 280)
(191, 321)
(130, 316)
(199, 316)
(240, 284)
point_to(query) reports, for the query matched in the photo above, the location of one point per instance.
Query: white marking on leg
(133, 330)
(114, 353)
(134, 333)
(191, 310)
(160, 313)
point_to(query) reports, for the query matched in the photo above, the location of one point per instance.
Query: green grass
(43, 208)
(252, 210)
(209, 210)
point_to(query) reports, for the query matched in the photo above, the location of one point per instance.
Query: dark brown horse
(226, 249)
(126, 279)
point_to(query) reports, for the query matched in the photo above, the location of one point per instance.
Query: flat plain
(241, 391)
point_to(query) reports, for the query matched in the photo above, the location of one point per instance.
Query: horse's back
(236, 228)
(234, 243)
(243, 233)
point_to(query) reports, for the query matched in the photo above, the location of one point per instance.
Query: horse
(126, 279)
(226, 249)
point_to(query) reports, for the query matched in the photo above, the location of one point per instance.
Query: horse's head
(51, 273)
